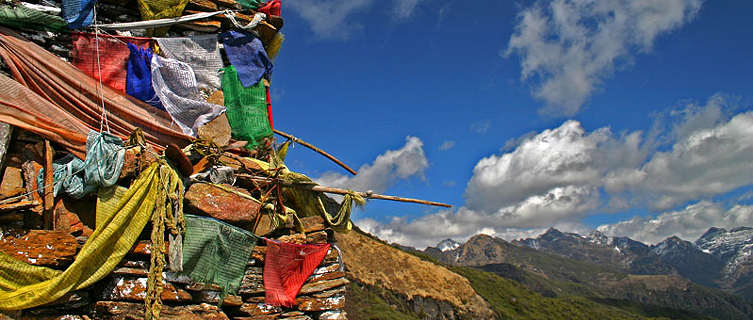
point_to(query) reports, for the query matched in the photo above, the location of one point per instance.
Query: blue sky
(626, 116)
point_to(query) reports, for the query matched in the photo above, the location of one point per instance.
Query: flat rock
(333, 315)
(208, 200)
(311, 287)
(252, 282)
(258, 309)
(135, 161)
(217, 130)
(325, 276)
(306, 303)
(69, 213)
(313, 224)
(112, 310)
(213, 297)
(120, 288)
(12, 183)
(41, 247)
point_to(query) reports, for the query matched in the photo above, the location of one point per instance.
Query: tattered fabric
(286, 268)
(202, 53)
(246, 109)
(66, 102)
(113, 57)
(175, 84)
(24, 286)
(21, 107)
(250, 4)
(23, 17)
(100, 168)
(159, 9)
(78, 13)
(272, 8)
(215, 252)
(139, 76)
(246, 53)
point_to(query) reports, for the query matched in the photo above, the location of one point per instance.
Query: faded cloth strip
(286, 268)
(101, 167)
(25, 286)
(78, 13)
(27, 18)
(175, 85)
(73, 99)
(246, 53)
(159, 9)
(158, 22)
(202, 53)
(272, 8)
(23, 108)
(139, 76)
(215, 252)
(113, 57)
(246, 109)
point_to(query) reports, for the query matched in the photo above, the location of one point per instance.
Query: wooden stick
(312, 147)
(318, 188)
(49, 196)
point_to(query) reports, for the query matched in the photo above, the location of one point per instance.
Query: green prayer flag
(215, 252)
(246, 109)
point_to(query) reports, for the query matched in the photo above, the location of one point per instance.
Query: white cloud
(404, 8)
(571, 46)
(704, 163)
(447, 145)
(564, 158)
(332, 19)
(558, 176)
(386, 169)
(688, 223)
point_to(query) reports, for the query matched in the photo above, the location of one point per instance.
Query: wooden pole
(312, 147)
(318, 188)
(49, 196)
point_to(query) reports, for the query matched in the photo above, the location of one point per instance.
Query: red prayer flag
(271, 8)
(113, 57)
(286, 268)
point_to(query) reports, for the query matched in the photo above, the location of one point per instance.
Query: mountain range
(712, 276)
(556, 275)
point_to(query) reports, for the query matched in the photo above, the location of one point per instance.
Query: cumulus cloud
(558, 176)
(704, 163)
(688, 224)
(564, 158)
(447, 145)
(571, 46)
(331, 19)
(386, 169)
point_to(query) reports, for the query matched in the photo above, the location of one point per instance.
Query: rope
(167, 216)
(103, 122)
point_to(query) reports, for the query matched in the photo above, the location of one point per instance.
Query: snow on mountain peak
(448, 245)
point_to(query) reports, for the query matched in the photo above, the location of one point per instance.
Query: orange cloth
(74, 94)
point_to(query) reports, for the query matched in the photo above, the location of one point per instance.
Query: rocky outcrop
(430, 289)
